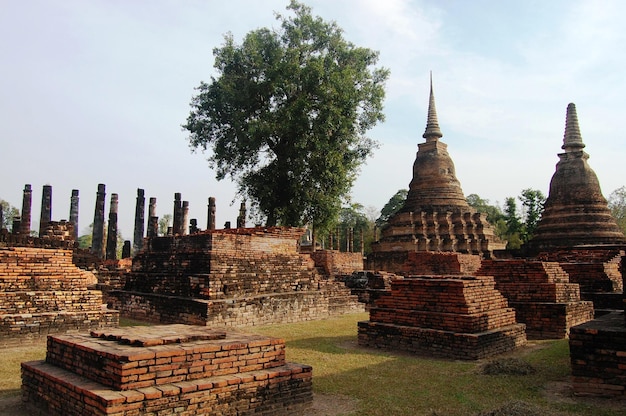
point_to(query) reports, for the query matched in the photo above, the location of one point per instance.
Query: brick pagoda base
(598, 357)
(168, 369)
(459, 317)
(542, 295)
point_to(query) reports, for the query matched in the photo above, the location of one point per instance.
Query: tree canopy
(8, 213)
(286, 117)
(617, 205)
(391, 207)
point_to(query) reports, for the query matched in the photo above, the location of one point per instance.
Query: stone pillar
(362, 242)
(241, 219)
(1, 219)
(46, 209)
(97, 237)
(211, 214)
(126, 249)
(140, 209)
(330, 240)
(178, 211)
(153, 220)
(185, 218)
(74, 213)
(111, 250)
(27, 202)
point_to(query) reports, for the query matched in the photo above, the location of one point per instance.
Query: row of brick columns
(182, 225)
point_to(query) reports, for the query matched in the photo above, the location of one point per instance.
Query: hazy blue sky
(96, 91)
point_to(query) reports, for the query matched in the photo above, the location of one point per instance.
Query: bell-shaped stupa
(435, 216)
(575, 212)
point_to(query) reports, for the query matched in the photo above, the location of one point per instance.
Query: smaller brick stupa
(575, 212)
(435, 216)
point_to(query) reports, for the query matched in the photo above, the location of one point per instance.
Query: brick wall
(42, 292)
(336, 263)
(230, 277)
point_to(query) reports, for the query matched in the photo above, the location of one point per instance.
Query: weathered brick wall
(541, 294)
(172, 369)
(428, 263)
(598, 357)
(42, 292)
(336, 263)
(460, 317)
(229, 277)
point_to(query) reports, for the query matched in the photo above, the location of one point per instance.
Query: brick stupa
(435, 216)
(575, 212)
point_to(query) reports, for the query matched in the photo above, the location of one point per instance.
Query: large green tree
(392, 206)
(287, 114)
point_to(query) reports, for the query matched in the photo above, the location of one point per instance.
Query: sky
(96, 91)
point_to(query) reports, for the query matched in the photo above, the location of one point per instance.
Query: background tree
(391, 207)
(495, 216)
(164, 223)
(617, 205)
(8, 213)
(286, 117)
(513, 222)
(85, 240)
(532, 203)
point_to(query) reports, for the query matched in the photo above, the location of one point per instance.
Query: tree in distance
(286, 117)
(8, 213)
(391, 207)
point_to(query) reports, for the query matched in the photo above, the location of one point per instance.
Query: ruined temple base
(437, 343)
(269, 308)
(167, 369)
(551, 320)
(598, 357)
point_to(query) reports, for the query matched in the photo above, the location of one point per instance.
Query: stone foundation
(172, 369)
(598, 357)
(42, 293)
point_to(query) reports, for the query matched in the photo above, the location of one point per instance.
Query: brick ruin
(230, 277)
(42, 293)
(542, 295)
(453, 315)
(170, 369)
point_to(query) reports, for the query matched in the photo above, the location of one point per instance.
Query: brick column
(46, 209)
(211, 214)
(74, 213)
(153, 220)
(97, 236)
(111, 250)
(241, 219)
(178, 213)
(140, 208)
(27, 201)
(185, 218)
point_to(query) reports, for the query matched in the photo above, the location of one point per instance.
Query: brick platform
(541, 294)
(460, 317)
(169, 369)
(237, 277)
(598, 357)
(42, 292)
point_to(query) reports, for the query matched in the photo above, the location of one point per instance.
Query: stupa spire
(432, 132)
(572, 140)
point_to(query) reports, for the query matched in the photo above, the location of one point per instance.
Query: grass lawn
(380, 382)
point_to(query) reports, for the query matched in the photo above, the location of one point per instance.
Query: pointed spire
(432, 132)
(572, 140)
